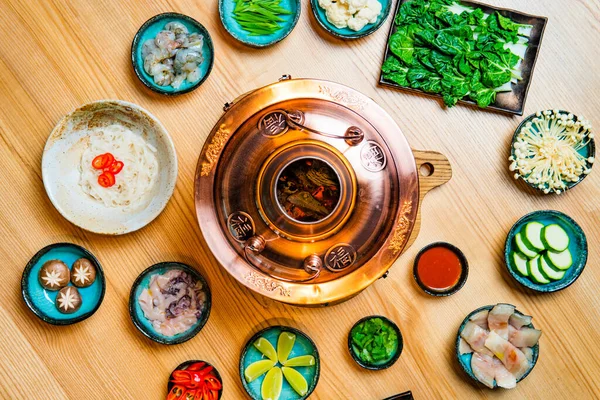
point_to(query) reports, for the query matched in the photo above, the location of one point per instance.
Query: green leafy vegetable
(259, 17)
(444, 47)
(374, 340)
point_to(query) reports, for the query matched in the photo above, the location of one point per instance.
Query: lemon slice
(266, 348)
(257, 368)
(301, 361)
(284, 345)
(296, 380)
(271, 386)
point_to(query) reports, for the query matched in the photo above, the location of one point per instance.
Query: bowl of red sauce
(440, 269)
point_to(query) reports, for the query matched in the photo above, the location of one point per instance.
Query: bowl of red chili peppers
(195, 380)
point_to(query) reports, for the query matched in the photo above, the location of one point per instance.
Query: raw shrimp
(163, 75)
(177, 28)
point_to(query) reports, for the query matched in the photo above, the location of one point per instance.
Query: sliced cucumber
(532, 236)
(548, 271)
(559, 260)
(523, 248)
(520, 263)
(533, 267)
(555, 238)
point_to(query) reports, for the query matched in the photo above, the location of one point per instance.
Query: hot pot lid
(306, 191)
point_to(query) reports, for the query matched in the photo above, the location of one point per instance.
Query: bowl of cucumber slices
(546, 251)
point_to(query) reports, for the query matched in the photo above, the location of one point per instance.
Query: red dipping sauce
(439, 269)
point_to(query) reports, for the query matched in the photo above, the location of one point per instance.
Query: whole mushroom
(83, 273)
(68, 300)
(54, 275)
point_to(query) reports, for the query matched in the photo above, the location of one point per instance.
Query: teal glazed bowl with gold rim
(578, 248)
(302, 346)
(43, 302)
(149, 30)
(347, 33)
(143, 282)
(288, 23)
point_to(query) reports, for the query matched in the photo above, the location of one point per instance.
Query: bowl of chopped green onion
(375, 342)
(259, 23)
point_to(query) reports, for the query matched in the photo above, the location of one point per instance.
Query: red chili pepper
(190, 394)
(115, 167)
(106, 179)
(196, 366)
(181, 377)
(103, 161)
(177, 392)
(213, 383)
(206, 370)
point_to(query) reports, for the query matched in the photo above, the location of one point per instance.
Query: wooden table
(56, 55)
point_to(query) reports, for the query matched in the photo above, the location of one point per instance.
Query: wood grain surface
(56, 55)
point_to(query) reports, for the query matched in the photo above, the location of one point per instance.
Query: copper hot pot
(307, 191)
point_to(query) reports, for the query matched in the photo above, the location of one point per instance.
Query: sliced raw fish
(504, 379)
(483, 369)
(476, 337)
(498, 319)
(524, 337)
(528, 351)
(463, 347)
(513, 359)
(481, 319)
(519, 320)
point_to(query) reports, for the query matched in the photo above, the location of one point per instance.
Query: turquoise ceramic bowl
(577, 246)
(586, 151)
(43, 302)
(143, 324)
(303, 346)
(226, 14)
(384, 364)
(465, 359)
(347, 33)
(149, 30)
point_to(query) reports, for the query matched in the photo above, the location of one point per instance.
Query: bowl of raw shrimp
(172, 54)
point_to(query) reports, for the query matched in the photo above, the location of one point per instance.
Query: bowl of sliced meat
(497, 345)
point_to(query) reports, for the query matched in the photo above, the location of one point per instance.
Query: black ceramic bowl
(42, 301)
(385, 364)
(137, 314)
(463, 274)
(149, 30)
(184, 366)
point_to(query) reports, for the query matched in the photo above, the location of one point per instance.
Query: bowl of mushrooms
(63, 284)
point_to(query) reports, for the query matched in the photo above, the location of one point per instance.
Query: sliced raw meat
(504, 379)
(463, 347)
(524, 337)
(528, 351)
(519, 320)
(483, 369)
(481, 319)
(498, 319)
(513, 359)
(476, 337)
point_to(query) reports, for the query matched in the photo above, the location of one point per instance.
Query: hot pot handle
(256, 244)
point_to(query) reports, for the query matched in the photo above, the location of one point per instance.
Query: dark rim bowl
(577, 240)
(145, 78)
(369, 29)
(250, 43)
(392, 360)
(181, 337)
(464, 273)
(189, 362)
(282, 328)
(591, 145)
(462, 358)
(37, 311)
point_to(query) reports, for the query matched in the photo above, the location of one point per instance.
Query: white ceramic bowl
(62, 157)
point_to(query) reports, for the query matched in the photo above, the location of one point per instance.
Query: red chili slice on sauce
(106, 179)
(103, 161)
(115, 167)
